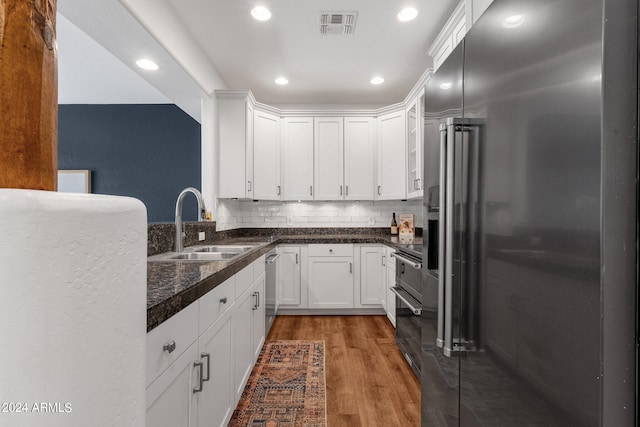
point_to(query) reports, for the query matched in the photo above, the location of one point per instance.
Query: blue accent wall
(150, 152)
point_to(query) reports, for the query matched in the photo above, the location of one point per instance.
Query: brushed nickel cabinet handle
(249, 185)
(199, 388)
(379, 190)
(169, 347)
(311, 190)
(208, 357)
(223, 300)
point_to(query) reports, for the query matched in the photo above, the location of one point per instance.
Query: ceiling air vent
(338, 23)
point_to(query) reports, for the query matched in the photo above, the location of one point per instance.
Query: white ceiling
(89, 74)
(217, 45)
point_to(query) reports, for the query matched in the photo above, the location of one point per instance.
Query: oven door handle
(412, 263)
(396, 290)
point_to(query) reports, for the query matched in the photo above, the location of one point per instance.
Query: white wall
(233, 214)
(73, 317)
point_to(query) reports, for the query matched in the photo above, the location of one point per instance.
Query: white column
(73, 289)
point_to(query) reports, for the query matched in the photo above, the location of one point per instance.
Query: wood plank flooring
(368, 381)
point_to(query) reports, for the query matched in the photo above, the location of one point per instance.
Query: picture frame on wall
(74, 181)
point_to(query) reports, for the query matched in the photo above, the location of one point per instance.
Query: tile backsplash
(232, 214)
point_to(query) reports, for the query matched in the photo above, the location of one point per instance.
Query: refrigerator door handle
(441, 234)
(455, 343)
(449, 182)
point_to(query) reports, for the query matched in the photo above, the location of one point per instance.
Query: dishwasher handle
(272, 258)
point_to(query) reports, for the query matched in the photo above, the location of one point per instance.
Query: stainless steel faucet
(179, 240)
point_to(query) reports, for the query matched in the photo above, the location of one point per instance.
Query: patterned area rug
(286, 387)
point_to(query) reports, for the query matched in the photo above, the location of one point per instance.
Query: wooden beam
(28, 94)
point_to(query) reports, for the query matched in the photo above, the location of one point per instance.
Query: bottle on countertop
(394, 225)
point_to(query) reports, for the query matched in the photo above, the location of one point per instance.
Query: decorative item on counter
(406, 229)
(394, 225)
(207, 215)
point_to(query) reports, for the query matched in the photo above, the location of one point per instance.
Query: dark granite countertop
(173, 285)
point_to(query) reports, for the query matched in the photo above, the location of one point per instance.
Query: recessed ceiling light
(513, 21)
(446, 85)
(407, 14)
(261, 13)
(147, 64)
(377, 80)
(281, 81)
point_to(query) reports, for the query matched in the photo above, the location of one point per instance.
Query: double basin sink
(205, 253)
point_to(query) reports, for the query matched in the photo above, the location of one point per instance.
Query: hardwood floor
(368, 381)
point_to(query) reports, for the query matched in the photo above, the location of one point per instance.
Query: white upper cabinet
(415, 144)
(297, 156)
(266, 156)
(452, 33)
(392, 157)
(475, 8)
(329, 158)
(359, 158)
(235, 122)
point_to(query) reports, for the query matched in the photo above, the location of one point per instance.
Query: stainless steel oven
(408, 292)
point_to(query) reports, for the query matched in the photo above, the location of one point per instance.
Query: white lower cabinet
(249, 327)
(170, 398)
(258, 318)
(216, 401)
(289, 286)
(331, 276)
(330, 282)
(372, 275)
(198, 382)
(390, 283)
(242, 326)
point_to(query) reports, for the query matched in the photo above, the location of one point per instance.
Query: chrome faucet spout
(179, 238)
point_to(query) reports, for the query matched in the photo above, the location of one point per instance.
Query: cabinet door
(216, 402)
(359, 158)
(259, 317)
(459, 31)
(297, 154)
(243, 340)
(372, 273)
(415, 147)
(330, 282)
(391, 157)
(289, 286)
(443, 52)
(391, 282)
(266, 156)
(170, 398)
(233, 122)
(249, 153)
(329, 158)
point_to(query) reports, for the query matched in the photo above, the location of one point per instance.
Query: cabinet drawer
(176, 334)
(331, 250)
(215, 303)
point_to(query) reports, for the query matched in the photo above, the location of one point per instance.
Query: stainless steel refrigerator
(530, 133)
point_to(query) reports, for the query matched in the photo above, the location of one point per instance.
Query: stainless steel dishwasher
(271, 297)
